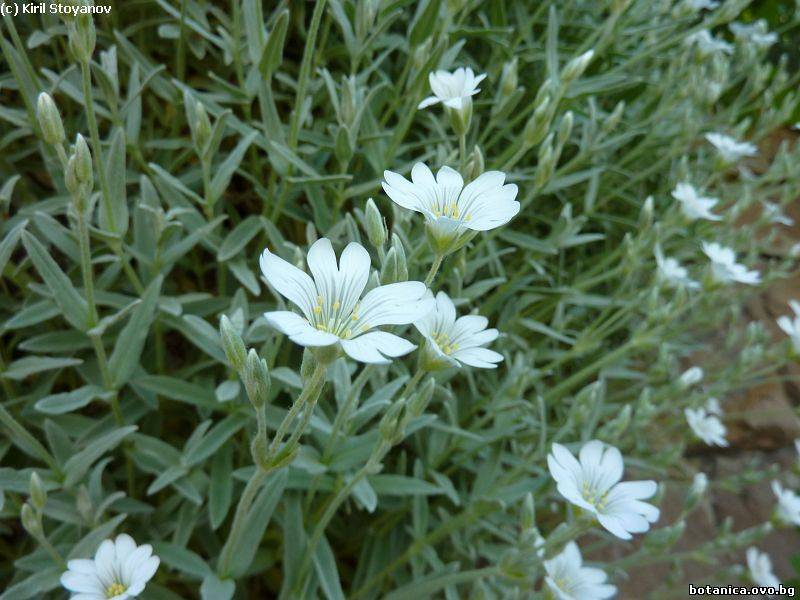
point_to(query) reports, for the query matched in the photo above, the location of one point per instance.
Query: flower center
(592, 496)
(443, 341)
(115, 589)
(331, 318)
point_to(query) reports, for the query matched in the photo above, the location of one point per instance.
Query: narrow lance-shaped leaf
(70, 302)
(128, 349)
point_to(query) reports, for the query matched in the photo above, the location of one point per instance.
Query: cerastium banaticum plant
(369, 300)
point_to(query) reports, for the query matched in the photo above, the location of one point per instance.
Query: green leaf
(88, 545)
(70, 302)
(220, 487)
(256, 522)
(214, 588)
(128, 349)
(77, 466)
(58, 404)
(117, 221)
(30, 365)
(10, 242)
(7, 190)
(400, 485)
(327, 573)
(185, 561)
(224, 172)
(215, 438)
(273, 50)
(177, 389)
(34, 586)
(239, 237)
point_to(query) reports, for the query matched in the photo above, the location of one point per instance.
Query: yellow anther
(319, 300)
(347, 333)
(354, 317)
(336, 305)
(322, 327)
(317, 309)
(364, 328)
(115, 589)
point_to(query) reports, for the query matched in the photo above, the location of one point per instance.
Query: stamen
(115, 589)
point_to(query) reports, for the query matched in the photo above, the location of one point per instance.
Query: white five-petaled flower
(568, 579)
(671, 272)
(333, 311)
(453, 342)
(454, 90)
(760, 567)
(708, 44)
(593, 484)
(724, 267)
(791, 326)
(756, 33)
(731, 150)
(690, 376)
(119, 570)
(706, 426)
(788, 507)
(693, 205)
(451, 208)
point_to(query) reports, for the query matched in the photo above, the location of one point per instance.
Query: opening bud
(49, 120)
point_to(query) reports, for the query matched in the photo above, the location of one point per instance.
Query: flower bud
(565, 128)
(37, 492)
(696, 491)
(389, 425)
(374, 224)
(79, 176)
(419, 402)
(614, 118)
(528, 515)
(30, 522)
(546, 164)
(232, 344)
(646, 214)
(256, 379)
(509, 79)
(475, 164)
(202, 128)
(460, 118)
(82, 35)
(49, 120)
(389, 267)
(538, 124)
(576, 67)
(402, 265)
(83, 504)
(366, 11)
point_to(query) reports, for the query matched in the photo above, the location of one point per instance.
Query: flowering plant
(371, 299)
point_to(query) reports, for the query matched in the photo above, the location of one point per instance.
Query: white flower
(568, 579)
(708, 44)
(756, 33)
(333, 311)
(691, 376)
(451, 208)
(760, 567)
(453, 342)
(454, 90)
(671, 272)
(120, 569)
(791, 326)
(693, 205)
(729, 149)
(724, 267)
(706, 426)
(594, 485)
(773, 213)
(788, 508)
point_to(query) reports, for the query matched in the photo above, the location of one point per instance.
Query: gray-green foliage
(137, 200)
